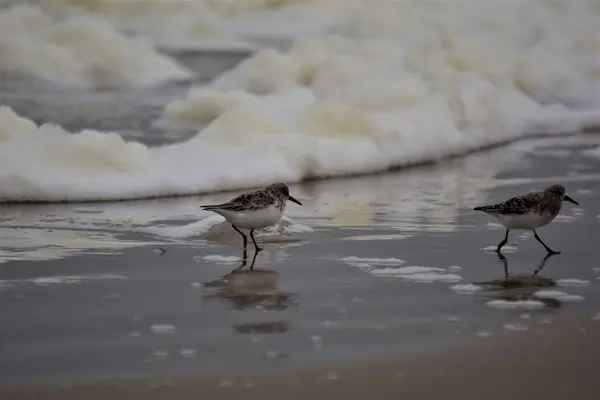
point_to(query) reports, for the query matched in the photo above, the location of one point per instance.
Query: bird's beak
(290, 198)
(567, 198)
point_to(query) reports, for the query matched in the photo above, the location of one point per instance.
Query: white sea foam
(216, 225)
(558, 295)
(573, 282)
(163, 329)
(176, 25)
(55, 244)
(432, 277)
(417, 273)
(521, 304)
(376, 86)
(405, 271)
(592, 153)
(187, 353)
(79, 51)
(65, 279)
(217, 258)
(516, 327)
(361, 238)
(565, 219)
(505, 249)
(376, 261)
(467, 288)
(494, 226)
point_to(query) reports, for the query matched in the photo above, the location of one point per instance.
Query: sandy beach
(545, 363)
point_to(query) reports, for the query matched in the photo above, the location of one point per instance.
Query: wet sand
(550, 363)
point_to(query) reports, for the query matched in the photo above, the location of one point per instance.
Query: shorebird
(529, 211)
(255, 209)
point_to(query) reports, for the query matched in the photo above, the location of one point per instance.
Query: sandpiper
(529, 211)
(255, 209)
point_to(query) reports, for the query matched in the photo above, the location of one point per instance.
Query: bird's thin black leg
(548, 249)
(502, 243)
(254, 240)
(245, 239)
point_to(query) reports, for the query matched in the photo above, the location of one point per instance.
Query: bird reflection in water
(252, 288)
(521, 287)
(525, 279)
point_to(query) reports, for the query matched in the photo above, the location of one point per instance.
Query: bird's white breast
(525, 221)
(254, 219)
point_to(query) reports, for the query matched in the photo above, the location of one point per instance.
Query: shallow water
(386, 272)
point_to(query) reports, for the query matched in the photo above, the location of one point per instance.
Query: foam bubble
(558, 295)
(432, 277)
(187, 353)
(417, 274)
(521, 304)
(468, 288)
(376, 261)
(221, 259)
(163, 329)
(565, 218)
(79, 51)
(61, 279)
(573, 282)
(591, 153)
(516, 327)
(405, 271)
(505, 249)
(375, 237)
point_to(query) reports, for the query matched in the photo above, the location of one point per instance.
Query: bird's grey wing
(521, 204)
(244, 202)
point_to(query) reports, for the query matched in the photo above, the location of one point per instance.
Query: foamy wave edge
(391, 88)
